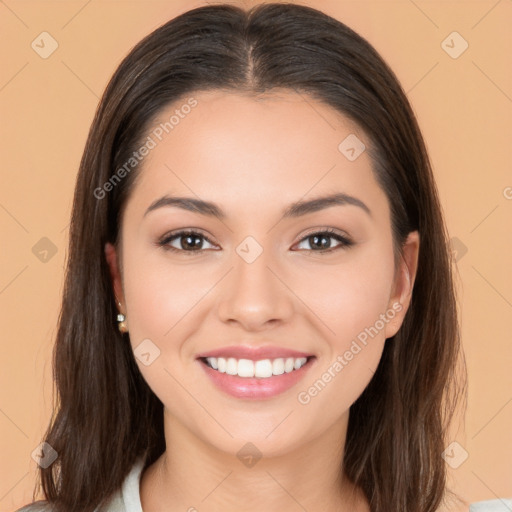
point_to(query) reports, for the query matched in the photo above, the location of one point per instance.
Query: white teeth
(245, 368)
(289, 365)
(263, 368)
(278, 366)
(221, 362)
(231, 366)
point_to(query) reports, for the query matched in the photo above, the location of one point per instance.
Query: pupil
(191, 245)
(325, 239)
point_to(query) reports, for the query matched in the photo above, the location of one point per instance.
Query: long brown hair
(105, 414)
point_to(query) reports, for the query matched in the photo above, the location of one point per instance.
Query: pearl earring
(121, 321)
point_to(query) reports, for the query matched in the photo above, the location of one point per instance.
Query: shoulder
(125, 499)
(37, 506)
(501, 505)
(113, 504)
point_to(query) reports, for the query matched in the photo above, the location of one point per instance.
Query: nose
(254, 294)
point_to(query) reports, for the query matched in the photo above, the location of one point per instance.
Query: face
(259, 274)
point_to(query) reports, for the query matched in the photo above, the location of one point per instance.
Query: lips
(254, 353)
(255, 388)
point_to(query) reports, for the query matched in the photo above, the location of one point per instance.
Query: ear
(112, 260)
(403, 283)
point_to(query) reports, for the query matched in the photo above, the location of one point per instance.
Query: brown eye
(321, 241)
(184, 241)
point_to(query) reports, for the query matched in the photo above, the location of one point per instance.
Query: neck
(192, 475)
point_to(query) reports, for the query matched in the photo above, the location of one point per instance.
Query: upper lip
(254, 353)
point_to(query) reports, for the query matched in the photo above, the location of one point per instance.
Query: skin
(253, 156)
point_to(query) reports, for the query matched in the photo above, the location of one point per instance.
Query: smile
(260, 379)
(263, 369)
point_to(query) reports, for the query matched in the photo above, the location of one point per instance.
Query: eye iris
(323, 245)
(197, 240)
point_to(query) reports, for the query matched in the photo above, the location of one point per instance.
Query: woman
(258, 311)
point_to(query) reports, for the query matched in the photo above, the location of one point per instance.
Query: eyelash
(331, 233)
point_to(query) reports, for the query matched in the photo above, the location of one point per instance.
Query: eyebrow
(294, 210)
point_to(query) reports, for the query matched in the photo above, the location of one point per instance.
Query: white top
(127, 498)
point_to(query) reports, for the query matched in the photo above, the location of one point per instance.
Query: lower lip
(254, 387)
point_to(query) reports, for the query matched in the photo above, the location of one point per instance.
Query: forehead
(278, 122)
(262, 149)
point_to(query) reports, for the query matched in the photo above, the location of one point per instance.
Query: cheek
(352, 302)
(160, 294)
(163, 301)
(351, 296)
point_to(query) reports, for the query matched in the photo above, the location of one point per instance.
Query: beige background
(464, 107)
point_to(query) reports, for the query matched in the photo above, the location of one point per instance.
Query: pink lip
(254, 353)
(255, 388)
